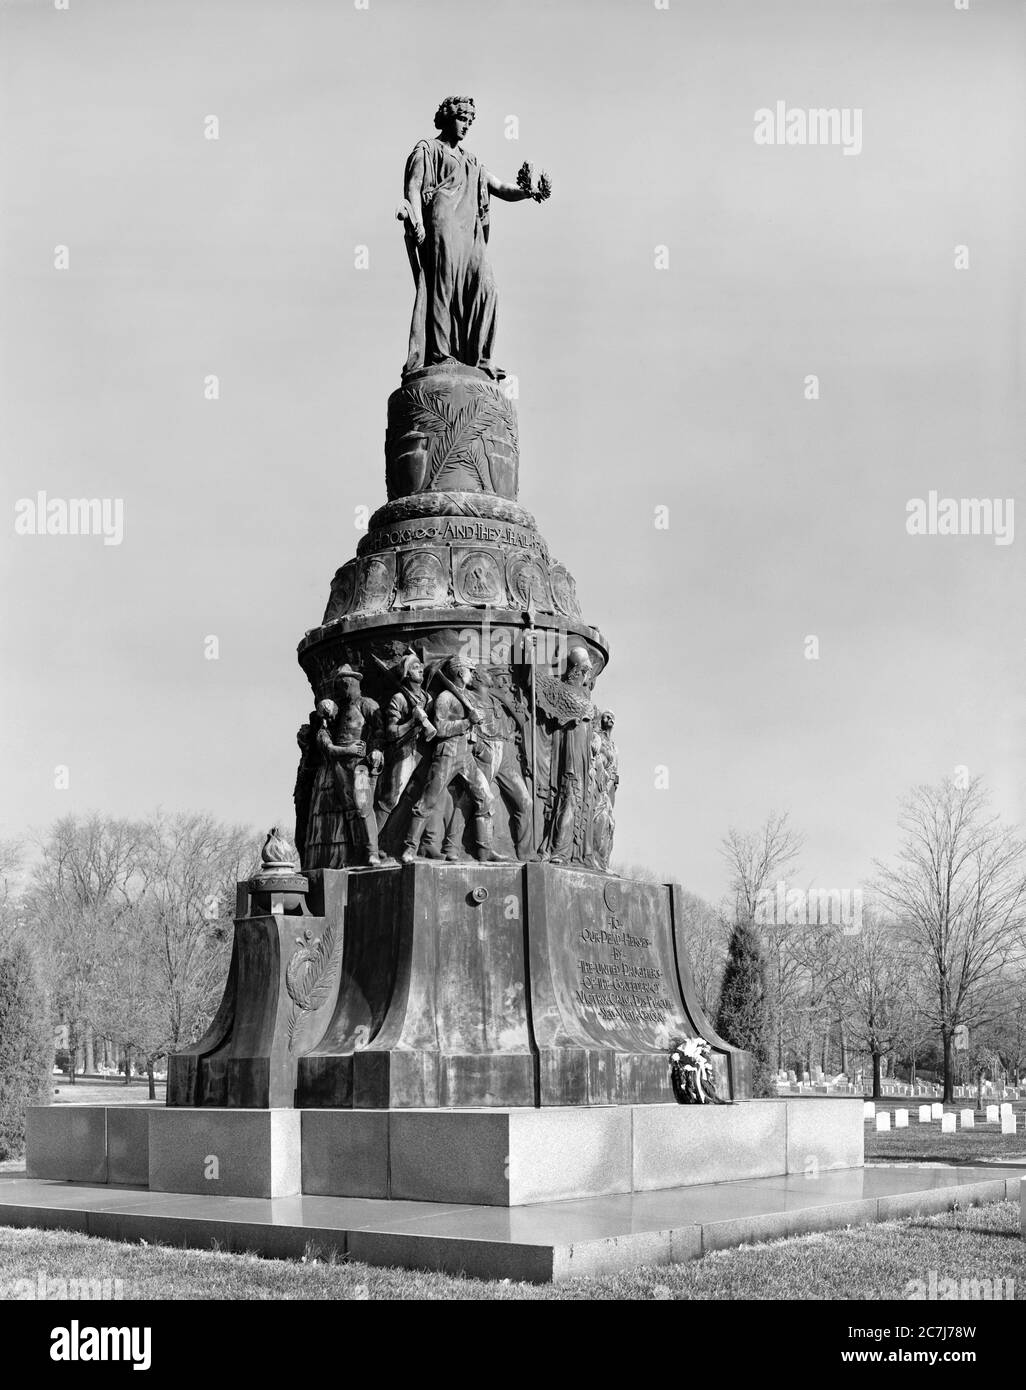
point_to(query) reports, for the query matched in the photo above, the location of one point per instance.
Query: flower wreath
(692, 1074)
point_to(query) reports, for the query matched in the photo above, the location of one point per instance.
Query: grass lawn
(869, 1262)
(926, 1144)
(95, 1091)
(923, 1142)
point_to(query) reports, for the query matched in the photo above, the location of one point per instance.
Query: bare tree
(88, 876)
(958, 889)
(785, 973)
(193, 865)
(873, 982)
(755, 859)
(814, 952)
(135, 918)
(1010, 1026)
(705, 935)
(918, 989)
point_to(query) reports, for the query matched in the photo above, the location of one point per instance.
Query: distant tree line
(127, 925)
(923, 974)
(115, 936)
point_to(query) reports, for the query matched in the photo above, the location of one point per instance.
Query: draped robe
(454, 310)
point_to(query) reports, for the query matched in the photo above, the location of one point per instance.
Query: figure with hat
(456, 718)
(407, 731)
(342, 806)
(358, 760)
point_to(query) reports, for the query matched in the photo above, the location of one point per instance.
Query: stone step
(549, 1241)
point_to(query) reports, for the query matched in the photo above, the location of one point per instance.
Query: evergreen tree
(743, 1014)
(26, 1046)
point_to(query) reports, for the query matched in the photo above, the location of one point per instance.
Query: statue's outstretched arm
(508, 192)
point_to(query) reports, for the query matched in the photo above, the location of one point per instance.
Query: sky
(661, 312)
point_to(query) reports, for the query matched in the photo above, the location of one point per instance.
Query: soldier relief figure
(407, 734)
(501, 751)
(454, 770)
(606, 773)
(339, 827)
(434, 762)
(567, 784)
(445, 213)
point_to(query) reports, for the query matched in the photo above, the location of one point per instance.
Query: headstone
(868, 1110)
(993, 1114)
(901, 1119)
(1008, 1123)
(925, 1114)
(968, 1119)
(1006, 1107)
(937, 1110)
(948, 1123)
(883, 1120)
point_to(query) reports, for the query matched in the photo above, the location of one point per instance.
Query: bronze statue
(500, 751)
(445, 214)
(407, 733)
(606, 772)
(566, 785)
(356, 762)
(453, 761)
(324, 840)
(304, 780)
(341, 829)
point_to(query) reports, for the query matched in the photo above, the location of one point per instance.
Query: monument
(444, 994)
(456, 938)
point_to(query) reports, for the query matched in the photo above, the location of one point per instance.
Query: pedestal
(228, 1153)
(436, 985)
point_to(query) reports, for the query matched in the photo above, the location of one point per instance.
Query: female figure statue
(445, 213)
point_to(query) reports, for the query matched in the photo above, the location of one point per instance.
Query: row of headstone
(841, 1083)
(1003, 1114)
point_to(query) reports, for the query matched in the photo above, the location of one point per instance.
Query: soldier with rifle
(455, 720)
